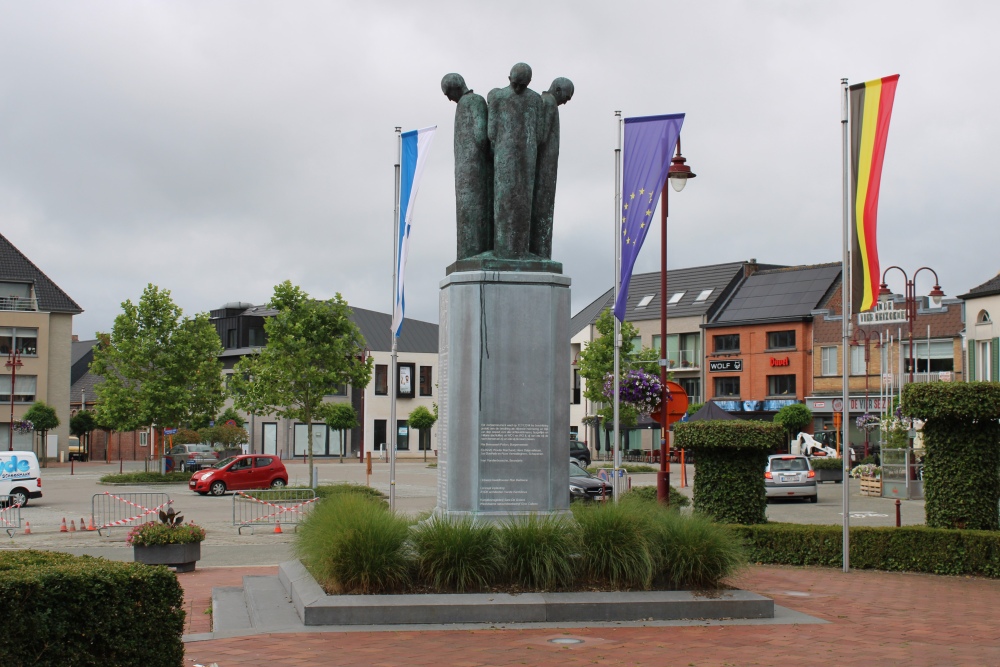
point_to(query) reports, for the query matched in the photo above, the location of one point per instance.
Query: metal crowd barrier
(113, 510)
(10, 515)
(269, 507)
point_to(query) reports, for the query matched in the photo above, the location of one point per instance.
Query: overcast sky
(218, 148)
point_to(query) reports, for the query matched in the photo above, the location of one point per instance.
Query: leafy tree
(794, 418)
(230, 414)
(158, 366)
(596, 362)
(186, 436)
(224, 435)
(313, 349)
(422, 419)
(81, 424)
(342, 417)
(44, 417)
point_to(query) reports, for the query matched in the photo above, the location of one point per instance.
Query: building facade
(36, 328)
(982, 331)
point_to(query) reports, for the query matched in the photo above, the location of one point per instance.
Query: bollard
(71, 461)
(368, 469)
(897, 513)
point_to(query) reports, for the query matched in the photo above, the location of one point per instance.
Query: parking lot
(69, 496)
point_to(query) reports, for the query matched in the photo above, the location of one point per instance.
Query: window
(380, 439)
(676, 298)
(405, 380)
(727, 387)
(270, 435)
(984, 365)
(22, 339)
(425, 381)
(780, 385)
(16, 296)
(402, 435)
(983, 318)
(692, 387)
(644, 301)
(829, 361)
(257, 337)
(941, 356)
(777, 340)
(683, 350)
(858, 360)
(25, 387)
(231, 338)
(656, 342)
(575, 399)
(727, 343)
(381, 380)
(703, 296)
(636, 344)
(143, 439)
(339, 390)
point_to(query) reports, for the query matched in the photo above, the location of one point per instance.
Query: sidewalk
(873, 618)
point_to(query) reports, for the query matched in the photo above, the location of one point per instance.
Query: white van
(20, 476)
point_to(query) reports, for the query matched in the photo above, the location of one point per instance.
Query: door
(240, 474)
(270, 437)
(263, 468)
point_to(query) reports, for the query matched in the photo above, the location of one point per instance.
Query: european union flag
(649, 144)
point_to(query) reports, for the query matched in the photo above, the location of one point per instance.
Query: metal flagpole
(393, 380)
(616, 486)
(845, 277)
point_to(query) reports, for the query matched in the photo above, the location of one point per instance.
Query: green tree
(159, 367)
(81, 425)
(794, 418)
(44, 417)
(596, 362)
(342, 417)
(422, 419)
(230, 414)
(224, 435)
(313, 349)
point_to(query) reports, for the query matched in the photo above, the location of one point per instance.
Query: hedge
(906, 549)
(962, 444)
(83, 611)
(730, 459)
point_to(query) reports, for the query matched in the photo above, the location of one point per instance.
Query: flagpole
(615, 485)
(846, 285)
(393, 380)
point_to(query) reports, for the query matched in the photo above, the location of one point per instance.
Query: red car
(249, 471)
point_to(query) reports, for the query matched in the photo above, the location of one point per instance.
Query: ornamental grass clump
(614, 545)
(456, 555)
(538, 553)
(692, 552)
(352, 544)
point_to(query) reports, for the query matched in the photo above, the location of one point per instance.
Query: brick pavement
(875, 619)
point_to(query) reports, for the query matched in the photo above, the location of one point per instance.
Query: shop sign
(781, 362)
(874, 404)
(726, 366)
(882, 313)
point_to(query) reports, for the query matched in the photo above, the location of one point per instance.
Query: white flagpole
(616, 486)
(393, 380)
(845, 278)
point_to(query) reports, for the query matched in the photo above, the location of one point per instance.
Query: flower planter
(830, 475)
(181, 557)
(871, 486)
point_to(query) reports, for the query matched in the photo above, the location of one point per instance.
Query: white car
(790, 476)
(20, 477)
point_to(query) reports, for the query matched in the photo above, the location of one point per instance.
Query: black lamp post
(13, 363)
(678, 175)
(935, 295)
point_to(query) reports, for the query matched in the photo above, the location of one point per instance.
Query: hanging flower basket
(868, 422)
(23, 426)
(640, 389)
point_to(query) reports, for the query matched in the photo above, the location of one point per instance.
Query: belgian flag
(871, 107)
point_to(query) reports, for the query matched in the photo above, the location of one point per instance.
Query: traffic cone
(90, 525)
(63, 528)
(277, 527)
(82, 524)
(27, 528)
(72, 526)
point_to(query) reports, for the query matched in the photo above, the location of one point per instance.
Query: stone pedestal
(504, 369)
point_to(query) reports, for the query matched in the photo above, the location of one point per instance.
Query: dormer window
(644, 302)
(703, 296)
(16, 296)
(676, 297)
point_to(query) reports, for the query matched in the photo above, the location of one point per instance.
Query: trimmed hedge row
(906, 549)
(962, 441)
(78, 610)
(731, 456)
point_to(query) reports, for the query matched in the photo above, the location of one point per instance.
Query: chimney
(76, 338)
(750, 268)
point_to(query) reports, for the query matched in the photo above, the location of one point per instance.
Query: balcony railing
(685, 360)
(17, 303)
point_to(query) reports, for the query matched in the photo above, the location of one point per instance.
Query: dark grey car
(584, 486)
(788, 476)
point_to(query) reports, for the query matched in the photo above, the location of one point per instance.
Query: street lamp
(678, 175)
(13, 363)
(864, 336)
(884, 294)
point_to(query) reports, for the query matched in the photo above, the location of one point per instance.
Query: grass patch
(331, 490)
(538, 552)
(456, 556)
(648, 494)
(175, 477)
(614, 547)
(692, 551)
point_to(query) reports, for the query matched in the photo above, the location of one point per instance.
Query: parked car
(237, 473)
(584, 486)
(189, 458)
(20, 477)
(579, 452)
(790, 476)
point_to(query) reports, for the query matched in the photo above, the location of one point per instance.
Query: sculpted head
(520, 77)
(562, 90)
(453, 86)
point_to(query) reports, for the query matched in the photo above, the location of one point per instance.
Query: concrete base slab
(315, 608)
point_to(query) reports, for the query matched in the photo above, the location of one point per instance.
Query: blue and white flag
(416, 146)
